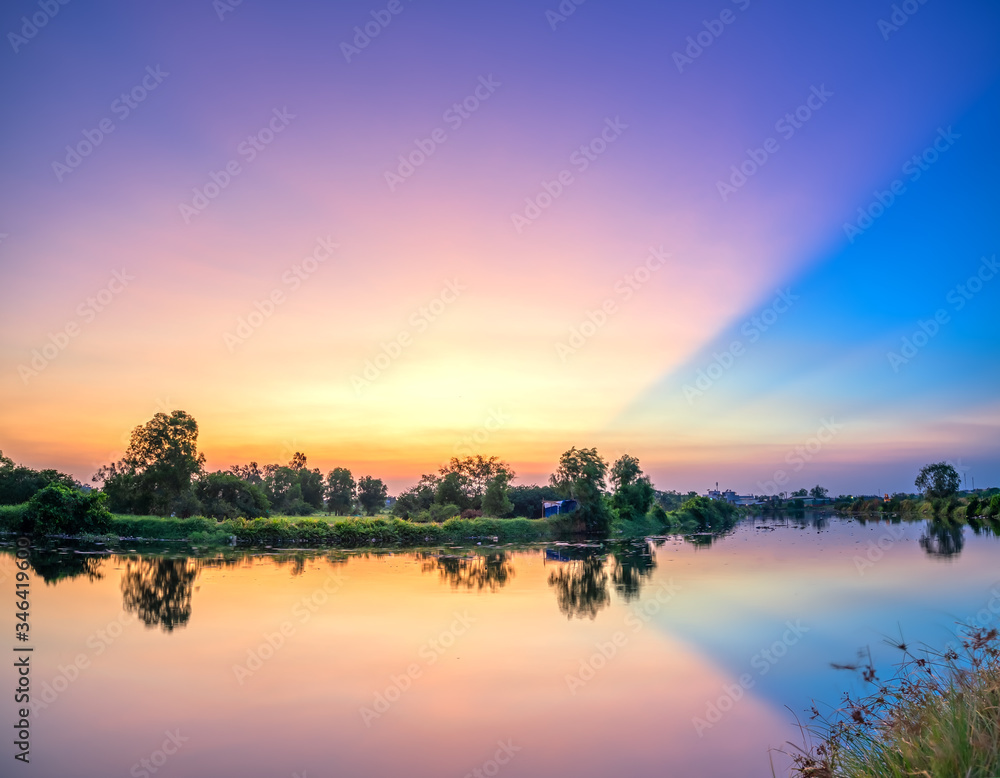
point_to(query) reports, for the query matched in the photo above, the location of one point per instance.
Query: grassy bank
(939, 716)
(698, 515)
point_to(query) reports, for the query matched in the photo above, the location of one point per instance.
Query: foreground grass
(938, 717)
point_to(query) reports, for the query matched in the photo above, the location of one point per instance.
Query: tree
(800, 493)
(417, 499)
(496, 503)
(528, 499)
(372, 494)
(818, 492)
(633, 490)
(474, 474)
(450, 491)
(938, 480)
(340, 491)
(251, 473)
(161, 459)
(18, 483)
(580, 476)
(298, 461)
(227, 496)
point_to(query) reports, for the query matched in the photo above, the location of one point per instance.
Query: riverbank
(695, 516)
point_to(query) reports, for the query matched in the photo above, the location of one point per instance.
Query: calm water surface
(660, 658)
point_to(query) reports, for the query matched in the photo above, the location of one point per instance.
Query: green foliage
(527, 500)
(994, 510)
(704, 515)
(340, 489)
(441, 513)
(157, 467)
(818, 492)
(372, 494)
(415, 501)
(633, 490)
(450, 491)
(972, 509)
(473, 474)
(11, 517)
(496, 503)
(18, 484)
(226, 496)
(59, 510)
(580, 476)
(938, 480)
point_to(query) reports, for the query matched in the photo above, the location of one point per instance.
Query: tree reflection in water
(632, 563)
(54, 566)
(158, 590)
(582, 584)
(942, 539)
(484, 571)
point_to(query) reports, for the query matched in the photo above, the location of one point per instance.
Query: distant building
(732, 497)
(559, 506)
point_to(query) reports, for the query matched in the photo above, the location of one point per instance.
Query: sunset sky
(497, 228)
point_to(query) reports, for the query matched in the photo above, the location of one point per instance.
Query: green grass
(10, 516)
(939, 716)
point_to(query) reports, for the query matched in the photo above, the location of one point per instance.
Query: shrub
(441, 513)
(59, 510)
(471, 513)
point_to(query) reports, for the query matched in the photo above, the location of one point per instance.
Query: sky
(750, 243)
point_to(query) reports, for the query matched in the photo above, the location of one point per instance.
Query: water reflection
(942, 539)
(483, 571)
(632, 564)
(54, 566)
(581, 583)
(158, 591)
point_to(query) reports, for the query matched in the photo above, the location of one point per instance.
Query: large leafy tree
(157, 468)
(938, 480)
(633, 491)
(474, 474)
(372, 494)
(581, 476)
(340, 488)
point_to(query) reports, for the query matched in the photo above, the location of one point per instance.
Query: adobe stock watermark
(786, 127)
(752, 329)
(419, 322)
(876, 549)
(504, 753)
(454, 117)
(30, 26)
(763, 662)
(625, 288)
(122, 107)
(581, 159)
(913, 169)
(800, 455)
(900, 15)
(958, 296)
(248, 150)
(638, 616)
(370, 30)
(272, 642)
(292, 279)
(469, 444)
(563, 11)
(714, 28)
(429, 652)
(97, 642)
(86, 312)
(148, 766)
(223, 7)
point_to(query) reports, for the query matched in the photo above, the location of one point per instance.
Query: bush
(59, 510)
(471, 513)
(441, 513)
(227, 496)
